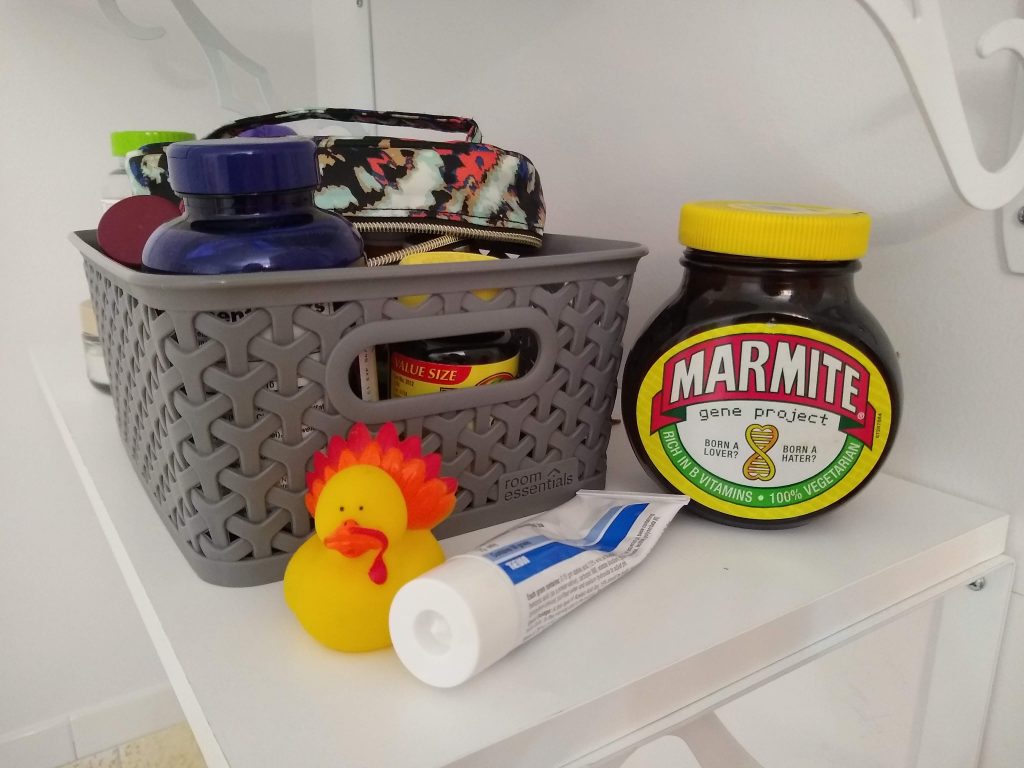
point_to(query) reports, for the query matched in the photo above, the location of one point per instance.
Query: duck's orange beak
(353, 540)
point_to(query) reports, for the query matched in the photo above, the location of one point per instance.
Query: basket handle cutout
(340, 393)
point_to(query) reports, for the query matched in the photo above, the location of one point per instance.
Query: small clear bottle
(116, 187)
(95, 365)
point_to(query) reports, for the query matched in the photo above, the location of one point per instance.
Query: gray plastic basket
(225, 386)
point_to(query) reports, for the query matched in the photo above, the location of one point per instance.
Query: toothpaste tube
(459, 618)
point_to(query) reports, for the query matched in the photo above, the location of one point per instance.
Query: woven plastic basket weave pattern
(221, 411)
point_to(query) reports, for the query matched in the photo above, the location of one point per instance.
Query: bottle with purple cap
(248, 207)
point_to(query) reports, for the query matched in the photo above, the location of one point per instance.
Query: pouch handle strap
(445, 123)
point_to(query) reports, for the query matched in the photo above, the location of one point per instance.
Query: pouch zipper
(457, 232)
(445, 241)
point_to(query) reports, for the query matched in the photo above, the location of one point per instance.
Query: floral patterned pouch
(416, 195)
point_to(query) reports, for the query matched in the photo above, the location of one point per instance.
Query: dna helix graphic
(761, 438)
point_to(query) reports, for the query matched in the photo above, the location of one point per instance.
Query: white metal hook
(218, 49)
(918, 37)
(116, 17)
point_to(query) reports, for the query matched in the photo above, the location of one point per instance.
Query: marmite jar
(765, 390)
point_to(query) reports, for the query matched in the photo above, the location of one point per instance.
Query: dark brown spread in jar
(765, 390)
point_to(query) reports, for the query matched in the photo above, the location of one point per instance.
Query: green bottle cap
(123, 142)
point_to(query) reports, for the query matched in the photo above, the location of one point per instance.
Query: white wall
(630, 109)
(71, 638)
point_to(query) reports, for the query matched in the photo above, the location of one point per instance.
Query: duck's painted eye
(341, 508)
(360, 507)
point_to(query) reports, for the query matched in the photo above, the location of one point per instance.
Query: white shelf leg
(713, 744)
(966, 634)
(709, 741)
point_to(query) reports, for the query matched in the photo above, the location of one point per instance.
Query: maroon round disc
(126, 226)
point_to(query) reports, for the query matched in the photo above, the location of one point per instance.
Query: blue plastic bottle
(248, 208)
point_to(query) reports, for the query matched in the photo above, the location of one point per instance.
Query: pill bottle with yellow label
(765, 390)
(436, 365)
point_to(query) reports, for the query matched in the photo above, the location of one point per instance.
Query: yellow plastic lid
(445, 257)
(775, 230)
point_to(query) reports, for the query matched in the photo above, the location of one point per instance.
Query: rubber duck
(373, 502)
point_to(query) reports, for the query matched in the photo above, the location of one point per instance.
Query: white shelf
(711, 606)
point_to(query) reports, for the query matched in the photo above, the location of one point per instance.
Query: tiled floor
(172, 748)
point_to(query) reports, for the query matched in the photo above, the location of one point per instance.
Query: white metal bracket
(116, 17)
(918, 37)
(219, 51)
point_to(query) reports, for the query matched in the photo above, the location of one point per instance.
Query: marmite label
(764, 421)
(410, 376)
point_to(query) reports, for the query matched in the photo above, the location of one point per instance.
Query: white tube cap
(455, 621)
